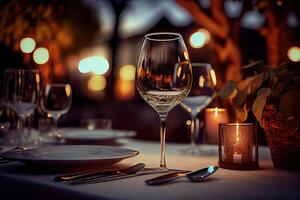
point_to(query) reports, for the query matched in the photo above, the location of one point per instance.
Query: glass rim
(176, 36)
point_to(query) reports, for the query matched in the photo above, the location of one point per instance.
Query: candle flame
(216, 112)
(237, 132)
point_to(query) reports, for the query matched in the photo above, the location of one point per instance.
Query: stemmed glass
(56, 100)
(20, 93)
(200, 96)
(164, 76)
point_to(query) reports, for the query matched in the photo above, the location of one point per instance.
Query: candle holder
(238, 147)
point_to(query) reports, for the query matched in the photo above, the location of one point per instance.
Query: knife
(145, 171)
(98, 173)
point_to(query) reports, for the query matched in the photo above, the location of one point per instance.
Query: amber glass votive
(238, 147)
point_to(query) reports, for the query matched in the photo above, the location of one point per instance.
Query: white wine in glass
(164, 76)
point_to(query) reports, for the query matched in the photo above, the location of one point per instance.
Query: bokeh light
(127, 72)
(27, 45)
(188, 122)
(96, 64)
(199, 38)
(213, 76)
(294, 54)
(96, 83)
(68, 90)
(201, 81)
(124, 90)
(41, 55)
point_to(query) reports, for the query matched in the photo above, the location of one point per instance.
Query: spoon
(98, 177)
(194, 176)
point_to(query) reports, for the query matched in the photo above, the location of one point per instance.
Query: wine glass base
(198, 151)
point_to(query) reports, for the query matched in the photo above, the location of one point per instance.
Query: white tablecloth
(18, 181)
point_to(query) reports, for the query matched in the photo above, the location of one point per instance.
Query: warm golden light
(127, 72)
(179, 71)
(41, 55)
(201, 81)
(96, 83)
(213, 76)
(27, 45)
(96, 64)
(294, 54)
(124, 89)
(68, 90)
(216, 112)
(188, 122)
(199, 38)
(237, 132)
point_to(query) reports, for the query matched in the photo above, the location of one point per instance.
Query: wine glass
(20, 93)
(56, 100)
(164, 76)
(200, 96)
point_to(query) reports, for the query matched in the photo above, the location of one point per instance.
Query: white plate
(76, 135)
(71, 155)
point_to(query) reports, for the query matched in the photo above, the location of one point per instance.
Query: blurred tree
(63, 27)
(225, 30)
(276, 31)
(224, 41)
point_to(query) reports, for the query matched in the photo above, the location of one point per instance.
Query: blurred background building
(94, 45)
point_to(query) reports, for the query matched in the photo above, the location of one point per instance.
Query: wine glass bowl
(201, 94)
(164, 76)
(56, 100)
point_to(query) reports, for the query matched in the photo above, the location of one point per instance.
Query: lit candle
(237, 157)
(214, 116)
(238, 146)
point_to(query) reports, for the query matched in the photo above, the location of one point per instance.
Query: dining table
(21, 181)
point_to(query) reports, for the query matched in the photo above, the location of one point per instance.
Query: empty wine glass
(200, 96)
(164, 76)
(20, 93)
(56, 100)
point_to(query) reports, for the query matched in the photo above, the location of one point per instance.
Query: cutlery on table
(98, 173)
(124, 172)
(141, 172)
(194, 176)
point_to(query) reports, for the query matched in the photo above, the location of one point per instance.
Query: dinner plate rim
(32, 159)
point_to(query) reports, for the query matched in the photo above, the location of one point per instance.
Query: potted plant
(272, 95)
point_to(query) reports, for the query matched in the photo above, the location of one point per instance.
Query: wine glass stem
(55, 129)
(19, 138)
(163, 143)
(194, 129)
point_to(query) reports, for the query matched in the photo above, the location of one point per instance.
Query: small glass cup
(238, 147)
(92, 124)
